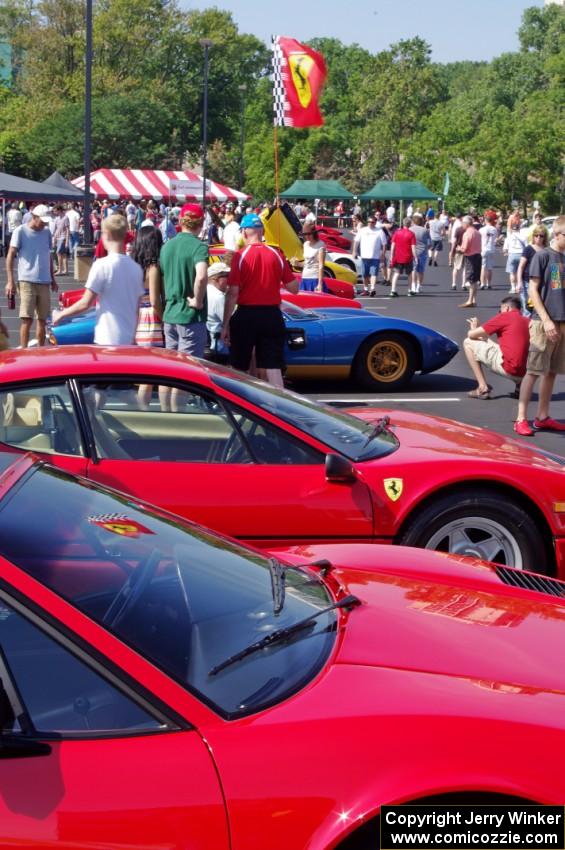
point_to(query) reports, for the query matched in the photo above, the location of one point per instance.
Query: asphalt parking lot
(442, 393)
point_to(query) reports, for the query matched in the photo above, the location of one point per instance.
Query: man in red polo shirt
(256, 274)
(402, 254)
(508, 356)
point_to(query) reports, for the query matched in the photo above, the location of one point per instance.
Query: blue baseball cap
(251, 220)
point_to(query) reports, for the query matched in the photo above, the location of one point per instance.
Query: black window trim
(167, 717)
(230, 406)
(28, 384)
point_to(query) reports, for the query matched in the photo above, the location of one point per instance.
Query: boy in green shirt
(184, 266)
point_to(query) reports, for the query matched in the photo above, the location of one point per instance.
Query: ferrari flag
(299, 74)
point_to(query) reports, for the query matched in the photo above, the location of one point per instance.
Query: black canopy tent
(20, 189)
(57, 181)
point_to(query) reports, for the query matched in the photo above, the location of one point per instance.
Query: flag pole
(276, 145)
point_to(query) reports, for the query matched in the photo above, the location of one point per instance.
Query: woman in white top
(314, 258)
(514, 245)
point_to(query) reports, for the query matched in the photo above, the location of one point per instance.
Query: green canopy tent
(399, 190)
(322, 189)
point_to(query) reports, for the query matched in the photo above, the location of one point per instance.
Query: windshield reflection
(339, 431)
(182, 596)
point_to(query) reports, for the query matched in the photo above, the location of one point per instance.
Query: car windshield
(183, 597)
(354, 438)
(296, 313)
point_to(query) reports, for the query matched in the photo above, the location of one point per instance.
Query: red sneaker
(548, 424)
(522, 428)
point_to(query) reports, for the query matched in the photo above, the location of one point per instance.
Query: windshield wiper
(282, 634)
(278, 584)
(377, 428)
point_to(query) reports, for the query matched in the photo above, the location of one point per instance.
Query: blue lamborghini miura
(338, 343)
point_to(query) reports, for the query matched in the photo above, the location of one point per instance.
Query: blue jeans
(74, 240)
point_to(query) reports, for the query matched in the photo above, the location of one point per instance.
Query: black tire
(482, 524)
(386, 361)
(329, 273)
(348, 264)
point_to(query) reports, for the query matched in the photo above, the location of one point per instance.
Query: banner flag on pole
(299, 74)
(446, 184)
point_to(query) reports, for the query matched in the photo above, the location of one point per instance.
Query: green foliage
(496, 127)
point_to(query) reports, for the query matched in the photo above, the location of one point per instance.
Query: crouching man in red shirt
(257, 273)
(506, 357)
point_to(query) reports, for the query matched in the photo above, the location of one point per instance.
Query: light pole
(87, 122)
(242, 88)
(206, 44)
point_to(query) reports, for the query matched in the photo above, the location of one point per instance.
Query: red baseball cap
(193, 210)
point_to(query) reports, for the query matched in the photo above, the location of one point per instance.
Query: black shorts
(437, 245)
(259, 328)
(473, 268)
(403, 268)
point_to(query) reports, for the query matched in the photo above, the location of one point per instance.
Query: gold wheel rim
(387, 361)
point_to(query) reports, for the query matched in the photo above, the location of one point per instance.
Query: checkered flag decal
(280, 103)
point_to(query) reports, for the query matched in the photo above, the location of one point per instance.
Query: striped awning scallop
(142, 184)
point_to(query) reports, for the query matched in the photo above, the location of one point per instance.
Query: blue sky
(456, 29)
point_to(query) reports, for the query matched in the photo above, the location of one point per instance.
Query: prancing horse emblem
(393, 488)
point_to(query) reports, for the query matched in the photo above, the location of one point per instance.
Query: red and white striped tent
(143, 184)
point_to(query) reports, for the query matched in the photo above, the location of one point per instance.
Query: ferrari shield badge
(393, 488)
(120, 524)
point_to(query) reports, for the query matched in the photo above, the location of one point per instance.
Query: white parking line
(385, 398)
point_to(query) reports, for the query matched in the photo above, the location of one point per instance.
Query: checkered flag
(280, 102)
(299, 74)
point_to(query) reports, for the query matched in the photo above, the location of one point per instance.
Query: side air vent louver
(541, 584)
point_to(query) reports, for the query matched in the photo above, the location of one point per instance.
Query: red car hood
(419, 432)
(442, 614)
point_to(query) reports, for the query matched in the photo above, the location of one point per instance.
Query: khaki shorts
(545, 356)
(488, 352)
(458, 261)
(35, 300)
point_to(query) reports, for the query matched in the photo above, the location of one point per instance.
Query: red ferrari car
(306, 300)
(163, 687)
(270, 466)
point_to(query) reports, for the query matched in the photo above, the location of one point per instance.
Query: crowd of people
(155, 291)
(154, 286)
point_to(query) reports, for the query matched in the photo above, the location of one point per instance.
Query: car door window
(135, 421)
(58, 692)
(270, 445)
(40, 418)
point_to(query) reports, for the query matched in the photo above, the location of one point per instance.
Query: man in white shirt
(13, 220)
(489, 235)
(437, 233)
(370, 245)
(117, 281)
(73, 217)
(232, 232)
(391, 213)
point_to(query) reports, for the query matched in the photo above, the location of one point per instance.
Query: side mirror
(339, 470)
